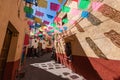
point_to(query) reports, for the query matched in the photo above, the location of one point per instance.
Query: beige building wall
(9, 13)
(96, 33)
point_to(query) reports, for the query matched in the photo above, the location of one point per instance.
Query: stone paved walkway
(58, 69)
(44, 68)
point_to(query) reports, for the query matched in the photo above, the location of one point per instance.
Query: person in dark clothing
(31, 52)
(68, 50)
(53, 55)
(36, 49)
(40, 49)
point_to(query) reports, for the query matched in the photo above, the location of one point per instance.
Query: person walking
(40, 48)
(43, 46)
(35, 46)
(53, 55)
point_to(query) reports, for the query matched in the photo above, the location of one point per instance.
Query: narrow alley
(45, 68)
(59, 39)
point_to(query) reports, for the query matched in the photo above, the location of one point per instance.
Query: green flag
(28, 10)
(83, 4)
(65, 20)
(65, 9)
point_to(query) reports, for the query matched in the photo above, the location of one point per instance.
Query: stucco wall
(86, 59)
(96, 33)
(9, 12)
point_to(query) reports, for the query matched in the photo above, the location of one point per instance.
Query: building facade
(13, 28)
(91, 45)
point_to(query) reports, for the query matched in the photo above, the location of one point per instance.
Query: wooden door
(4, 52)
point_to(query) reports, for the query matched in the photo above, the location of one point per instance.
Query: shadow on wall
(117, 78)
(81, 64)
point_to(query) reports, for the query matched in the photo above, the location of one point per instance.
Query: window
(68, 49)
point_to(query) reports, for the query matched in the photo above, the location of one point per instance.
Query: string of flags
(46, 19)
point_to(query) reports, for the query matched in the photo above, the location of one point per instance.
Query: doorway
(4, 53)
(68, 49)
(10, 33)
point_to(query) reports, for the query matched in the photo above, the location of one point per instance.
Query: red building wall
(92, 68)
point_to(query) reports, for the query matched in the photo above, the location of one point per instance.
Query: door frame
(15, 33)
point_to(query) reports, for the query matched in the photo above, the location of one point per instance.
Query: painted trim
(11, 70)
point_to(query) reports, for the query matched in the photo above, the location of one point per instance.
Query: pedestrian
(35, 46)
(53, 55)
(31, 52)
(40, 48)
(43, 46)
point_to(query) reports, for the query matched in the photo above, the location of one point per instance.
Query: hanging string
(80, 19)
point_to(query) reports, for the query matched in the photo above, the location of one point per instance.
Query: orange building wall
(9, 13)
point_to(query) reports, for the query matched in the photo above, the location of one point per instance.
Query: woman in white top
(35, 46)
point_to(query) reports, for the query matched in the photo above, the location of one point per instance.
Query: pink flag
(38, 13)
(50, 27)
(30, 22)
(75, 0)
(96, 5)
(46, 22)
(75, 11)
(59, 26)
(57, 19)
(54, 6)
(72, 22)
